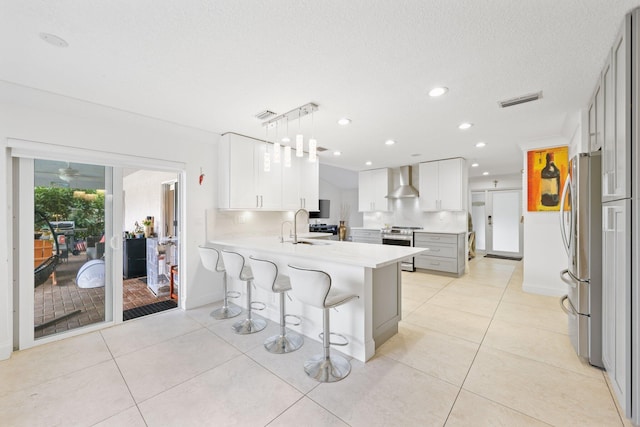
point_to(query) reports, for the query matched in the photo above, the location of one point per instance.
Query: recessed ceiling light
(286, 139)
(438, 91)
(465, 125)
(474, 165)
(480, 144)
(368, 163)
(344, 121)
(485, 173)
(337, 153)
(389, 142)
(53, 40)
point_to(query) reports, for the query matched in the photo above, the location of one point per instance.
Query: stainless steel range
(400, 236)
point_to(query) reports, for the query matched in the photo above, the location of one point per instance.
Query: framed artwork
(547, 170)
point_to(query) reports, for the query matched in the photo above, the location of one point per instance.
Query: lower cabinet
(616, 299)
(366, 235)
(135, 258)
(446, 252)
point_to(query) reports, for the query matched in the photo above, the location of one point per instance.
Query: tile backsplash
(406, 212)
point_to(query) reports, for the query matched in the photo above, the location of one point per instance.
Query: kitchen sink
(311, 242)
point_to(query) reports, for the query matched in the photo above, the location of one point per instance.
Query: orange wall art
(547, 170)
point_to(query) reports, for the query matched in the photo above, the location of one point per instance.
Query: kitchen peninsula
(370, 271)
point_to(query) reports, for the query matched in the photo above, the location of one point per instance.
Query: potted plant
(148, 227)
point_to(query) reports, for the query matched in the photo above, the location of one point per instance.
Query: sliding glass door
(68, 252)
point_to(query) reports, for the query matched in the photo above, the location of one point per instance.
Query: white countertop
(350, 253)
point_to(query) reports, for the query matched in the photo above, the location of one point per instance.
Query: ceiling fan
(68, 174)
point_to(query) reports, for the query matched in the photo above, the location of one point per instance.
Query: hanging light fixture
(299, 141)
(276, 147)
(267, 157)
(313, 144)
(287, 156)
(287, 148)
(296, 113)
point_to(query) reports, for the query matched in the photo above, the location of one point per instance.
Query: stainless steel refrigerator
(581, 229)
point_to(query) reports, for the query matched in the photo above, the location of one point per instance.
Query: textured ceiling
(215, 64)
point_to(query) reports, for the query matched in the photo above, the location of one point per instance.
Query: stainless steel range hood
(405, 189)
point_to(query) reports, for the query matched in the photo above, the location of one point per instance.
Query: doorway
(496, 216)
(151, 241)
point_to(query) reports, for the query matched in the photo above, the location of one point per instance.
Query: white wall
(496, 182)
(44, 117)
(544, 255)
(143, 197)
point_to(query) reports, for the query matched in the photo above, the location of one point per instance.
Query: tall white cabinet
(612, 112)
(443, 185)
(373, 187)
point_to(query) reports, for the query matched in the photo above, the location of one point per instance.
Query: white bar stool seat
(212, 261)
(265, 276)
(236, 268)
(313, 287)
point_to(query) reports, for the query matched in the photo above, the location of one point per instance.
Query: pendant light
(299, 139)
(267, 157)
(287, 156)
(313, 144)
(276, 147)
(287, 148)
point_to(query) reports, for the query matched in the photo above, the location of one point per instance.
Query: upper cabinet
(244, 183)
(443, 184)
(373, 188)
(301, 185)
(616, 119)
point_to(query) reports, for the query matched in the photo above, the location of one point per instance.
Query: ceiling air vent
(264, 115)
(520, 100)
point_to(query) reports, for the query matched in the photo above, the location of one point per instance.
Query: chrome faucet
(282, 230)
(295, 224)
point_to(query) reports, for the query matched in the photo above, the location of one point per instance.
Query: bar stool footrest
(342, 343)
(295, 316)
(258, 305)
(233, 294)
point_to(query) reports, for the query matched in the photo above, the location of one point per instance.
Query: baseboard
(5, 351)
(543, 290)
(201, 300)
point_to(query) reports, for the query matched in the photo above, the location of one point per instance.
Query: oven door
(407, 263)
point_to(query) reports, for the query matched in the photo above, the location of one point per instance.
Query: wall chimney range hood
(404, 189)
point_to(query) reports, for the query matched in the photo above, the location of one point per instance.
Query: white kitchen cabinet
(443, 185)
(616, 149)
(301, 185)
(268, 184)
(373, 188)
(309, 184)
(446, 252)
(243, 183)
(616, 298)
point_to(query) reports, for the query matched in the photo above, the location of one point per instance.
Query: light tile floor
(472, 351)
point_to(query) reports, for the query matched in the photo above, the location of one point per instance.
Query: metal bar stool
(313, 287)
(235, 266)
(265, 274)
(212, 261)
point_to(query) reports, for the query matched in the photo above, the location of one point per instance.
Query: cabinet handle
(261, 204)
(257, 201)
